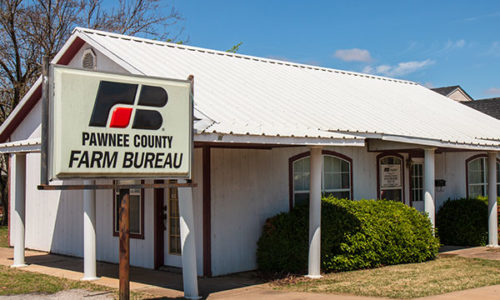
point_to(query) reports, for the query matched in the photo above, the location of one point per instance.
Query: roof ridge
(487, 99)
(236, 55)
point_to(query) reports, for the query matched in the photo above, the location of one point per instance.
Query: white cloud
(455, 44)
(494, 49)
(402, 68)
(492, 91)
(354, 54)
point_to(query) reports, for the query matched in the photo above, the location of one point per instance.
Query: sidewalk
(168, 285)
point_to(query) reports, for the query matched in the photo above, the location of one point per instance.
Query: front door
(172, 236)
(391, 179)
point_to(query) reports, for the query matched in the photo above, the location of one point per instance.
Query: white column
(89, 234)
(18, 169)
(186, 220)
(314, 269)
(492, 200)
(429, 185)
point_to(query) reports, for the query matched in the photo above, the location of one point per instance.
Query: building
(489, 106)
(269, 134)
(454, 92)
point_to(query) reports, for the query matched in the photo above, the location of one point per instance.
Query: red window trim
(132, 235)
(385, 154)
(473, 157)
(294, 158)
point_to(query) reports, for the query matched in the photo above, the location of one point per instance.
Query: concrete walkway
(473, 252)
(168, 285)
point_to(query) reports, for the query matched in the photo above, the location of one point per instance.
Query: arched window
(390, 170)
(477, 176)
(336, 179)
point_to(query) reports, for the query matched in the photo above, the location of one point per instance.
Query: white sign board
(106, 125)
(390, 176)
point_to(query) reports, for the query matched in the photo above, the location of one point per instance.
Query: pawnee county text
(104, 159)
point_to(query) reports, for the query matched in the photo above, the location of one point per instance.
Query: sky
(435, 43)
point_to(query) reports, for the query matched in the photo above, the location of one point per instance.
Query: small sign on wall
(390, 176)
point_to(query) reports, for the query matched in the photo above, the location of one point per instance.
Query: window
(136, 198)
(174, 231)
(417, 181)
(336, 177)
(477, 176)
(390, 177)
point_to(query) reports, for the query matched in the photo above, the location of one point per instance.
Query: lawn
(3, 237)
(439, 276)
(16, 281)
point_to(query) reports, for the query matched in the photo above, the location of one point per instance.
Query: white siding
(31, 125)
(249, 186)
(458, 95)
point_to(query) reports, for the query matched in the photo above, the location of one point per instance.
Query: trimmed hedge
(463, 222)
(354, 235)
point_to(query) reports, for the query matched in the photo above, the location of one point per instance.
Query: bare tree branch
(30, 29)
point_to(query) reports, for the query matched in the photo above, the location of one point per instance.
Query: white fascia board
(64, 48)
(428, 142)
(21, 104)
(32, 145)
(101, 48)
(435, 143)
(277, 140)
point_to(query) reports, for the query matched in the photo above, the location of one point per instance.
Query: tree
(31, 29)
(235, 48)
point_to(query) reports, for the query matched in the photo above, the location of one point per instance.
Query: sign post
(115, 126)
(124, 268)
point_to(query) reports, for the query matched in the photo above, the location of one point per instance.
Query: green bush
(354, 235)
(463, 222)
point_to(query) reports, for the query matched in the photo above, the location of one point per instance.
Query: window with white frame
(136, 207)
(336, 178)
(417, 181)
(477, 177)
(174, 228)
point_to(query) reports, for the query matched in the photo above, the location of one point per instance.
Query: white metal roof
(29, 145)
(238, 95)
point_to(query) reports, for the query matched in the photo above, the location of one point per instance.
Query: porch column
(18, 169)
(429, 175)
(186, 220)
(492, 200)
(89, 233)
(314, 270)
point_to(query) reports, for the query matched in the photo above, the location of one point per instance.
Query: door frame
(159, 226)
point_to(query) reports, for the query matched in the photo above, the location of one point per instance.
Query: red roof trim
(33, 100)
(21, 114)
(71, 51)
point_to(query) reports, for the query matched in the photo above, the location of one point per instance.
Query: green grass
(3, 237)
(16, 281)
(439, 276)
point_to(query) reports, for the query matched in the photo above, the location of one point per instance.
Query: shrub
(354, 235)
(463, 222)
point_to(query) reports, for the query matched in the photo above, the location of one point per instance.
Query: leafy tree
(235, 48)
(31, 29)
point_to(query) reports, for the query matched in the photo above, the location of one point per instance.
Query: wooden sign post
(124, 225)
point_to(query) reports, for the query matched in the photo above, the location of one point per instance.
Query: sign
(105, 125)
(390, 176)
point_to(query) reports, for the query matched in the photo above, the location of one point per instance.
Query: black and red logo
(110, 94)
